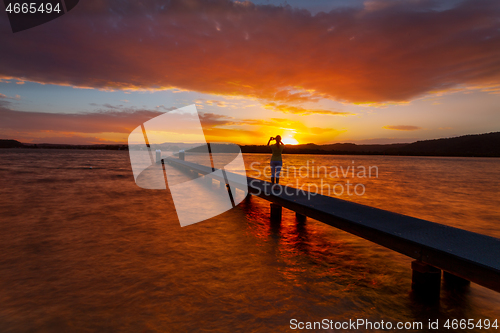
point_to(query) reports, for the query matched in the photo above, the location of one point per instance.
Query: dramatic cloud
(114, 124)
(402, 127)
(386, 51)
(120, 121)
(212, 120)
(302, 111)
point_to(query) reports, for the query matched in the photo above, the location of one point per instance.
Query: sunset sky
(313, 71)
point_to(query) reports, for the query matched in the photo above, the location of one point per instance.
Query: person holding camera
(276, 159)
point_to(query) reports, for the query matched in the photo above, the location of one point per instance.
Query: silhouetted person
(276, 159)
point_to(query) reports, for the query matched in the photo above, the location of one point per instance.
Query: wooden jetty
(463, 255)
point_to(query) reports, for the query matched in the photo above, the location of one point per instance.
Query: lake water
(86, 250)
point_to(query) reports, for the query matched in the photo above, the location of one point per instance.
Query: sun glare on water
(290, 141)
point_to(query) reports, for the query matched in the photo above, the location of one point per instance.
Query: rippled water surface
(86, 250)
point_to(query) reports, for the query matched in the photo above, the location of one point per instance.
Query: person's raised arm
(270, 139)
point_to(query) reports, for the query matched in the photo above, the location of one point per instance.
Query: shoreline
(322, 153)
(477, 145)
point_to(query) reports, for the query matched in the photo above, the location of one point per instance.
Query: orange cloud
(255, 131)
(402, 127)
(114, 123)
(214, 134)
(302, 111)
(386, 51)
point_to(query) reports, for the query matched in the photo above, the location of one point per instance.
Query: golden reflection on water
(86, 250)
(452, 191)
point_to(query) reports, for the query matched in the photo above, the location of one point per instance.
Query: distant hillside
(481, 145)
(336, 148)
(167, 146)
(10, 144)
(468, 145)
(348, 147)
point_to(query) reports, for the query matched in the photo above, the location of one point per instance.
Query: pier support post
(300, 218)
(454, 281)
(426, 279)
(181, 154)
(276, 212)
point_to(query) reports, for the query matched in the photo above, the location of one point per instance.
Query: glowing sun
(290, 141)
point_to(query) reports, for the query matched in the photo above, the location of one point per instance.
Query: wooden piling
(276, 211)
(300, 217)
(425, 279)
